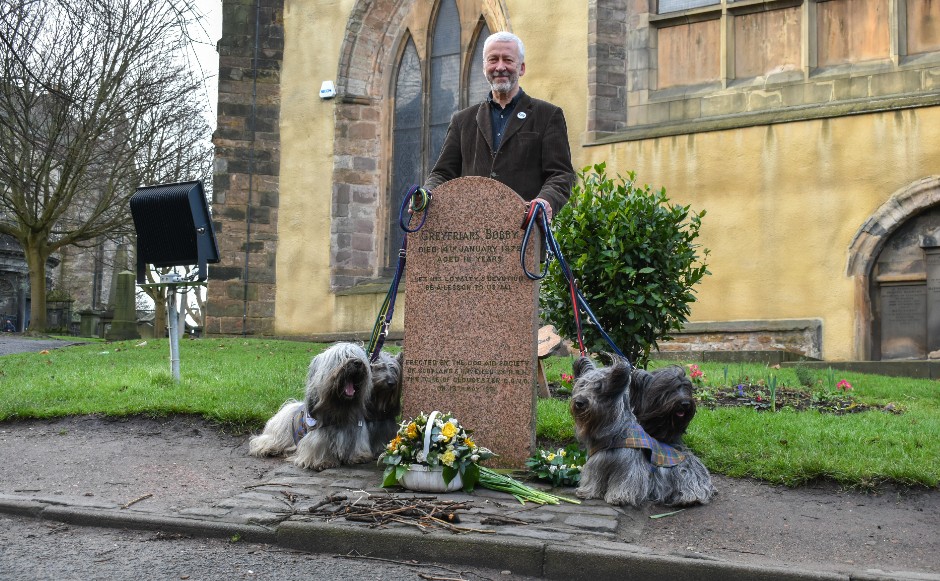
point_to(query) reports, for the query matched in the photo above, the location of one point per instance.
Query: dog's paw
(621, 500)
(583, 494)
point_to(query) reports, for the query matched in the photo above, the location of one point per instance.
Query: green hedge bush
(635, 259)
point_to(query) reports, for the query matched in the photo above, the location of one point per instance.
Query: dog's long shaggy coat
(600, 404)
(330, 422)
(664, 404)
(385, 404)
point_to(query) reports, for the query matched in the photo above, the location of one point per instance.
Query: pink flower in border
(844, 385)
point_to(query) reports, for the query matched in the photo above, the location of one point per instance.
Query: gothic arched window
(422, 110)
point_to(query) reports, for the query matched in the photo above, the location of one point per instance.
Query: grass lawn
(241, 382)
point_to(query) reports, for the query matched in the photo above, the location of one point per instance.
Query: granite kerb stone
(179, 524)
(568, 562)
(17, 505)
(521, 556)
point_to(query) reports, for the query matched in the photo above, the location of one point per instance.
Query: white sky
(206, 58)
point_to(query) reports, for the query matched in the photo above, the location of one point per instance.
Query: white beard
(503, 85)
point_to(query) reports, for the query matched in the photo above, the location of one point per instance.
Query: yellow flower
(563, 453)
(393, 445)
(550, 457)
(449, 430)
(412, 430)
(448, 458)
(469, 443)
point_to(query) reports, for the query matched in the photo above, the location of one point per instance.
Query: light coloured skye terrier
(329, 427)
(625, 464)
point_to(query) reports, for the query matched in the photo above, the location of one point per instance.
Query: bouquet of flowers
(561, 467)
(437, 441)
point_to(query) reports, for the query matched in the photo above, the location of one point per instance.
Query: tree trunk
(159, 313)
(37, 290)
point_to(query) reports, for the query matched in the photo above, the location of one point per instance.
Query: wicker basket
(424, 478)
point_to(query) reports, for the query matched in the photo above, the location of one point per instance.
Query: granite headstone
(471, 317)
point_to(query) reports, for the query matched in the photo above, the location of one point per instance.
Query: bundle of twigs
(423, 512)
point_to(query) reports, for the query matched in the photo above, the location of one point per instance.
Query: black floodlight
(173, 227)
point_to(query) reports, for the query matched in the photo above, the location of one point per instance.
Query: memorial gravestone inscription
(904, 324)
(471, 317)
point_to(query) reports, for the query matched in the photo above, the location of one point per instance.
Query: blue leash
(384, 320)
(536, 216)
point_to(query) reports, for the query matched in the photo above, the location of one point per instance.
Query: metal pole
(173, 315)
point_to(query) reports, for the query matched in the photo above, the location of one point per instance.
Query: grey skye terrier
(626, 465)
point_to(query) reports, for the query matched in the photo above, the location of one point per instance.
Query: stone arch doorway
(895, 261)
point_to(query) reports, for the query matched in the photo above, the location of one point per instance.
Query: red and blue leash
(536, 216)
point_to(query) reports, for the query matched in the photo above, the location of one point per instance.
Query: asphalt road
(32, 549)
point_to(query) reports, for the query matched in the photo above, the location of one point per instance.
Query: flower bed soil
(758, 398)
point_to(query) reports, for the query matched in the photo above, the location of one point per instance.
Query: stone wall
(800, 336)
(247, 164)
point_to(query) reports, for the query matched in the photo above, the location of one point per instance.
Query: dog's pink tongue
(350, 389)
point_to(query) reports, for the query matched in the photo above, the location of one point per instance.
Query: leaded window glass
(406, 136)
(445, 74)
(478, 88)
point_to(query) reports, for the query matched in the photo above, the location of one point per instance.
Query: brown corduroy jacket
(534, 158)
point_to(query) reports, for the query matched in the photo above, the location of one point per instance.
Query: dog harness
(302, 423)
(661, 455)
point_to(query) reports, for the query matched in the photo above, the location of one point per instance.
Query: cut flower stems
(500, 482)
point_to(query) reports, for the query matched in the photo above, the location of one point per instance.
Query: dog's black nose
(686, 405)
(579, 404)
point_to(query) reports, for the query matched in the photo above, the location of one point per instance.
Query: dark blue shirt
(499, 117)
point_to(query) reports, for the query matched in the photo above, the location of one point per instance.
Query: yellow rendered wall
(313, 36)
(783, 204)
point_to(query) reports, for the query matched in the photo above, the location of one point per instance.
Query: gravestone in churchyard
(124, 324)
(904, 320)
(932, 259)
(471, 317)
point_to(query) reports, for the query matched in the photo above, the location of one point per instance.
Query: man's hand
(546, 206)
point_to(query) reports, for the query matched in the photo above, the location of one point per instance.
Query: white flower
(552, 468)
(421, 457)
(474, 457)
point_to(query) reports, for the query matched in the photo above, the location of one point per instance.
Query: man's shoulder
(469, 112)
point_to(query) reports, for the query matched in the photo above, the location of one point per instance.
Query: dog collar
(634, 436)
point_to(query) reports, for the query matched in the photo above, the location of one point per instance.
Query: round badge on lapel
(521, 115)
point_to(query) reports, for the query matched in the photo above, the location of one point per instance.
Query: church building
(808, 130)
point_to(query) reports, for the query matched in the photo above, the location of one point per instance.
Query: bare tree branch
(96, 99)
